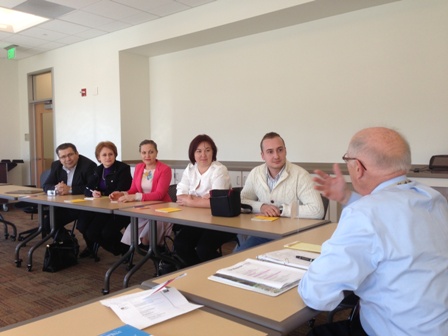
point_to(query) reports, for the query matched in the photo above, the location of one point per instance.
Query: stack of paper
(146, 308)
(258, 276)
(264, 218)
(298, 245)
(167, 210)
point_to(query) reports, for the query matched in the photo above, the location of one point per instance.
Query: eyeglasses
(68, 156)
(346, 159)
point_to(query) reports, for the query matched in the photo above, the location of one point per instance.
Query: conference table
(92, 318)
(282, 313)
(202, 218)
(77, 202)
(13, 192)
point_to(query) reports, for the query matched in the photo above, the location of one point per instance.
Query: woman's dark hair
(147, 142)
(195, 143)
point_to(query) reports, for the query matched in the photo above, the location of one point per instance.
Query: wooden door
(44, 137)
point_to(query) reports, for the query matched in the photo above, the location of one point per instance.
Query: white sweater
(294, 184)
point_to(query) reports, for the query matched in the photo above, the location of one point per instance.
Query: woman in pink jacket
(151, 181)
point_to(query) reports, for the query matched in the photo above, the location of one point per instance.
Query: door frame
(35, 135)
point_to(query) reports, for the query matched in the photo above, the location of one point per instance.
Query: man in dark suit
(68, 175)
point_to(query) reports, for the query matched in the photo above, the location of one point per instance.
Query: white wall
(315, 83)
(9, 111)
(94, 64)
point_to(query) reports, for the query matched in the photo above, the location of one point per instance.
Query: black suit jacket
(84, 170)
(119, 179)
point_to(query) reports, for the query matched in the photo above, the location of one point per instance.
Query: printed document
(146, 308)
(259, 276)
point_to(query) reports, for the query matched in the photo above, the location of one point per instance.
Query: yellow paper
(167, 210)
(264, 219)
(298, 245)
(74, 200)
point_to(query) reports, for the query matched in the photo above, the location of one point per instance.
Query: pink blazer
(160, 183)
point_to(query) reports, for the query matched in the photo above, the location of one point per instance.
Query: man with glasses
(390, 246)
(272, 187)
(68, 175)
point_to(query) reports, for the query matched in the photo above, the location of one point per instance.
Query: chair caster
(29, 267)
(18, 262)
(13, 238)
(105, 291)
(6, 236)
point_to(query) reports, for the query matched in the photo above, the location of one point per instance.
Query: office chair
(350, 301)
(31, 208)
(325, 202)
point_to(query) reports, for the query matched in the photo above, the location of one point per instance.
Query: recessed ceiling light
(12, 21)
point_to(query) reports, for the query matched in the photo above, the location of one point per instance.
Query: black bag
(225, 202)
(62, 253)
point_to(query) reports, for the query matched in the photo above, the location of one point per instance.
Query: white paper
(146, 308)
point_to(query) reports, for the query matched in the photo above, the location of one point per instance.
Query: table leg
(51, 234)
(14, 228)
(126, 256)
(153, 254)
(17, 260)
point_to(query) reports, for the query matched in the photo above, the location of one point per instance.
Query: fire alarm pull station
(83, 92)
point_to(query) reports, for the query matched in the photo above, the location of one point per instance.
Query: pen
(305, 258)
(90, 190)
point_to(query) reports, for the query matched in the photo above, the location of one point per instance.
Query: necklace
(148, 174)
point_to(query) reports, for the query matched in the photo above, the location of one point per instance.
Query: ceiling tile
(10, 3)
(114, 26)
(63, 27)
(86, 19)
(43, 8)
(194, 3)
(43, 34)
(111, 10)
(141, 17)
(91, 33)
(170, 7)
(78, 4)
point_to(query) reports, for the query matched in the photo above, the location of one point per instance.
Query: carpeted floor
(25, 295)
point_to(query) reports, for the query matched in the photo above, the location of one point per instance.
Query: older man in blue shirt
(390, 246)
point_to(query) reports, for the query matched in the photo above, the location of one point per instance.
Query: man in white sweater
(272, 187)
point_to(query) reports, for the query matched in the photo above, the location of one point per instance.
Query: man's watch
(70, 190)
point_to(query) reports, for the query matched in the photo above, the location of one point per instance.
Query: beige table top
(92, 318)
(282, 313)
(101, 204)
(14, 192)
(201, 217)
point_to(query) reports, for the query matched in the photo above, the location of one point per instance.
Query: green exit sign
(12, 53)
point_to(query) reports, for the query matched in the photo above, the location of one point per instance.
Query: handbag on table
(225, 202)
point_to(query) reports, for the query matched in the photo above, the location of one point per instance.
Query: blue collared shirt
(391, 249)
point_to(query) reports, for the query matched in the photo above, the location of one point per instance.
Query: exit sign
(12, 53)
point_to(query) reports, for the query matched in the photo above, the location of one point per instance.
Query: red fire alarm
(83, 92)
